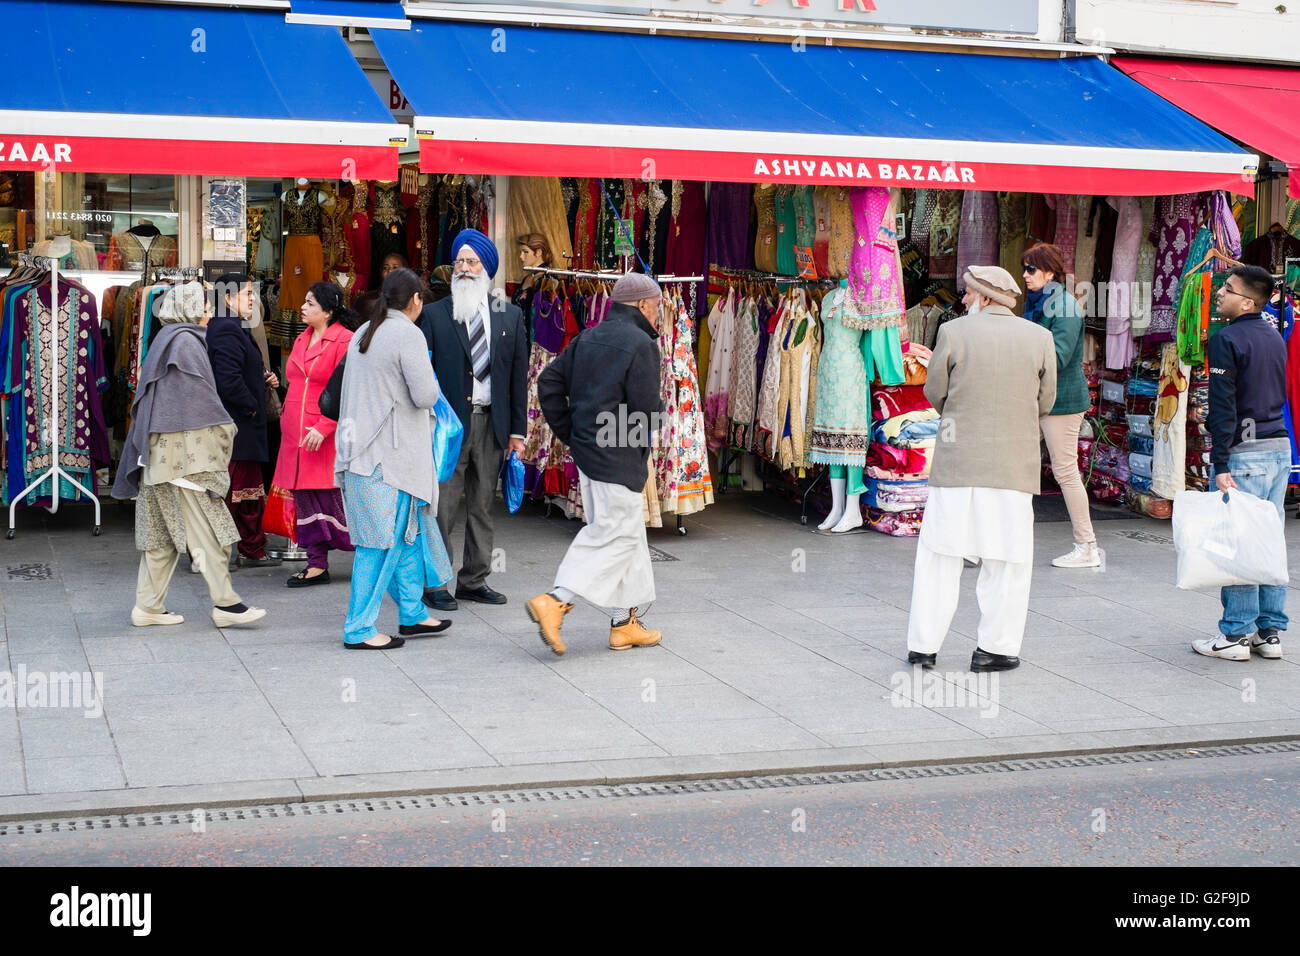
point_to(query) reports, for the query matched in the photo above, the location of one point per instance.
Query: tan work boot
(548, 611)
(632, 634)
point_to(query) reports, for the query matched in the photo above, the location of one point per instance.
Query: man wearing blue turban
(479, 349)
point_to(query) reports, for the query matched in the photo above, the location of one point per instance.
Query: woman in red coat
(306, 462)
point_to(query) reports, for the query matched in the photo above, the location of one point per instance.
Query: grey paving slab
(723, 736)
(1226, 707)
(395, 754)
(180, 713)
(644, 704)
(1127, 680)
(148, 762)
(570, 730)
(542, 692)
(175, 678)
(44, 739)
(594, 753)
(55, 774)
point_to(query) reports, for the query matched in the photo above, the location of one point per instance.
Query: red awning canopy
(1258, 105)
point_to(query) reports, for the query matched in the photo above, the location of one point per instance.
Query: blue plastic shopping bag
(512, 482)
(447, 436)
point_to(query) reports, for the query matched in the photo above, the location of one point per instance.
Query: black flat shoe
(300, 580)
(984, 661)
(422, 630)
(363, 646)
(483, 595)
(440, 600)
(925, 660)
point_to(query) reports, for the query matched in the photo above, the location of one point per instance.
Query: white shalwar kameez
(608, 562)
(995, 525)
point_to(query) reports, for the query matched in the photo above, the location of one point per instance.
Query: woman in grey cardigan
(384, 465)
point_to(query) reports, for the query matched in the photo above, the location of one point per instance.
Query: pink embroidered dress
(875, 292)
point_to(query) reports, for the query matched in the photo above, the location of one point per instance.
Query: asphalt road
(1207, 811)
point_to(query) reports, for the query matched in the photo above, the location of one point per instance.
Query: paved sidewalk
(782, 650)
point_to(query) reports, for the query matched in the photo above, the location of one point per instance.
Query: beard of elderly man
(469, 290)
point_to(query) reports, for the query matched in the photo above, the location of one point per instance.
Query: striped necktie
(478, 346)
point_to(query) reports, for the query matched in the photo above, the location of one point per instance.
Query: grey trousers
(476, 477)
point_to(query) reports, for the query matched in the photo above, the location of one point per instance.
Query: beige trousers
(212, 559)
(1062, 435)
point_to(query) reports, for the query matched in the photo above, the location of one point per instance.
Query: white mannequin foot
(838, 488)
(852, 516)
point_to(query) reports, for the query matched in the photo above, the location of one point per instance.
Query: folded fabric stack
(904, 429)
(899, 524)
(896, 496)
(1145, 503)
(1111, 462)
(1142, 388)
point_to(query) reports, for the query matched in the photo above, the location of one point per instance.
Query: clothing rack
(173, 272)
(55, 471)
(605, 276)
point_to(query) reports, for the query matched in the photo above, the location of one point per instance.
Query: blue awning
(538, 101)
(117, 87)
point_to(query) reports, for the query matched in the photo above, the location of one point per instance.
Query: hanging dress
(769, 393)
(765, 240)
(842, 417)
(304, 263)
(722, 345)
(874, 298)
(822, 230)
(1120, 293)
(840, 246)
(1172, 233)
(667, 445)
(694, 483)
(977, 239)
(741, 387)
(1067, 227)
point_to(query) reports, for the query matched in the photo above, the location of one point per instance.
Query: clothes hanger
(1213, 254)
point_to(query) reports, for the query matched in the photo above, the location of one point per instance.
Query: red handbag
(281, 515)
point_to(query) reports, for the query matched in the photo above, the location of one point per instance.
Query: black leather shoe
(925, 660)
(984, 661)
(422, 630)
(440, 599)
(483, 595)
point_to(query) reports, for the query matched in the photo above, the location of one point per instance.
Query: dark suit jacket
(448, 340)
(237, 368)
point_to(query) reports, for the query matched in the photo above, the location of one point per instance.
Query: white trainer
(1267, 644)
(1083, 556)
(142, 618)
(235, 618)
(1224, 646)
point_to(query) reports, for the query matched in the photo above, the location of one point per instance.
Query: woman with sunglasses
(1048, 303)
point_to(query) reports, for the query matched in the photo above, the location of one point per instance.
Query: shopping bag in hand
(280, 516)
(447, 435)
(512, 482)
(1227, 538)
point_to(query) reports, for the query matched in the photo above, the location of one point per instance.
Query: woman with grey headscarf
(175, 464)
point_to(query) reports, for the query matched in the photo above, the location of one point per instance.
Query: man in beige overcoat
(992, 377)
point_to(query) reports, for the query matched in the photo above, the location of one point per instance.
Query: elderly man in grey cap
(602, 398)
(992, 377)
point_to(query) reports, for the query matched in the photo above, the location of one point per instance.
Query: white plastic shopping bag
(1226, 538)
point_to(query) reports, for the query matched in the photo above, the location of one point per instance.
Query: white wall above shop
(1265, 30)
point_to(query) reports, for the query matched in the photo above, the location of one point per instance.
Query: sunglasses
(1030, 270)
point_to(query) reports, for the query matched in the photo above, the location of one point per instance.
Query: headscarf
(182, 303)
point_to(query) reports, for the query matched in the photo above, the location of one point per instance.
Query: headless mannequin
(846, 491)
(301, 190)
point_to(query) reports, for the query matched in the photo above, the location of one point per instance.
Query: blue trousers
(401, 571)
(1248, 607)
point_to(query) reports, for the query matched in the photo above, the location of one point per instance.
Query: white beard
(469, 293)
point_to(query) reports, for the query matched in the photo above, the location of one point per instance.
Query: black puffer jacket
(601, 397)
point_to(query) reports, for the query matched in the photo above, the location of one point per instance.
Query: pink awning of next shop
(1258, 105)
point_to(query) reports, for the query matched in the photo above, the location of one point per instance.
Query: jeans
(1248, 607)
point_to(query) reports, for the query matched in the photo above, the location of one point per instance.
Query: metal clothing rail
(55, 471)
(605, 276)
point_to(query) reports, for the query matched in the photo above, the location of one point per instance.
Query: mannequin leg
(854, 488)
(838, 483)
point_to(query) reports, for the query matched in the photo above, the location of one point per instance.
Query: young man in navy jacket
(1250, 449)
